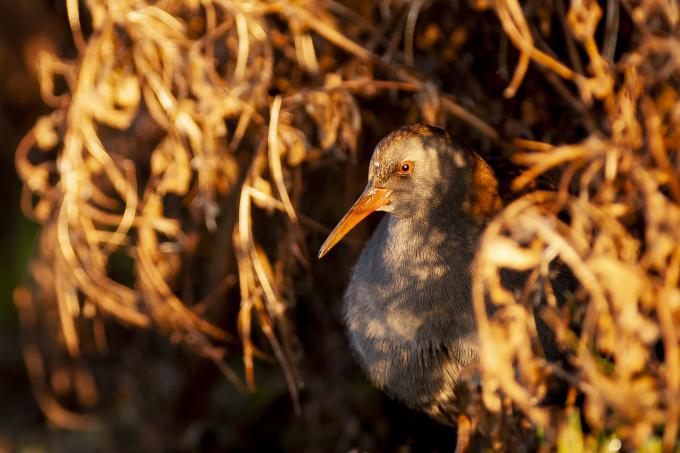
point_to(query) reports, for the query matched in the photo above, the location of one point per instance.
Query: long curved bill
(370, 200)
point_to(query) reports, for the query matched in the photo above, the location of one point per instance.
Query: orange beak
(371, 200)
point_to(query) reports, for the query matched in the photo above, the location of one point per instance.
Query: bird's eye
(405, 167)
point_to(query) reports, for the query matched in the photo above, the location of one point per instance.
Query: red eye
(405, 167)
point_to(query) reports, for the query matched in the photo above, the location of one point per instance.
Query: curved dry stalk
(277, 175)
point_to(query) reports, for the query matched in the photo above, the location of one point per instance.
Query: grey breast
(408, 311)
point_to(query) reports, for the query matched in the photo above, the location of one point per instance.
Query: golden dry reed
(199, 100)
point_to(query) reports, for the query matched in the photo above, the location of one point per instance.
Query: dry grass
(179, 121)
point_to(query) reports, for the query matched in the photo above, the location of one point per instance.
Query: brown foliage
(177, 121)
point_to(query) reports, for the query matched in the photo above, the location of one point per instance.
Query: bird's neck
(435, 232)
(438, 252)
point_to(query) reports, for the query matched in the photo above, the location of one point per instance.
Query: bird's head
(417, 172)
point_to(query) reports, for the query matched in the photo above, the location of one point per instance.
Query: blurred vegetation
(189, 155)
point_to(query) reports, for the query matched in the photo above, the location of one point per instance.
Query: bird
(407, 308)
